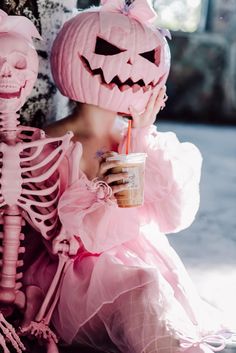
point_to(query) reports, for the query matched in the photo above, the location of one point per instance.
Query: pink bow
(18, 25)
(214, 342)
(139, 10)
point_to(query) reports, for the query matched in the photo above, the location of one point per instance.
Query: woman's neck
(92, 126)
(90, 122)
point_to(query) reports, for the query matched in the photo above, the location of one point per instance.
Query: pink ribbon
(138, 9)
(214, 342)
(18, 25)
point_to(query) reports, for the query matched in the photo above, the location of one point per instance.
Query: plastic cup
(134, 165)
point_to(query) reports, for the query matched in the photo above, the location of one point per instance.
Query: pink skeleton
(29, 189)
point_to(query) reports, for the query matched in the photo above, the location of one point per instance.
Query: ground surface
(208, 247)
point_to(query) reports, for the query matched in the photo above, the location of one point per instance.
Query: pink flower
(102, 189)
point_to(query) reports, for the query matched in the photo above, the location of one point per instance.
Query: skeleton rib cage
(29, 177)
(30, 187)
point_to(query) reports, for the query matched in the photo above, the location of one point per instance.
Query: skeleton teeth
(8, 83)
(8, 88)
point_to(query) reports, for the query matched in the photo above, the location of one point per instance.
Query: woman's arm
(172, 178)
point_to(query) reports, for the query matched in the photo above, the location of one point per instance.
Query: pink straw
(128, 137)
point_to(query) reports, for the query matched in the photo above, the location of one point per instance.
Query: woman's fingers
(105, 166)
(160, 101)
(105, 155)
(151, 102)
(118, 188)
(111, 178)
(154, 105)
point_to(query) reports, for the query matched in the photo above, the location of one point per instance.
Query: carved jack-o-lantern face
(109, 60)
(18, 71)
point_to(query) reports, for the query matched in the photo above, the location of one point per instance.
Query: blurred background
(202, 84)
(201, 109)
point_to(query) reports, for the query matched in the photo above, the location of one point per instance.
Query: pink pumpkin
(111, 57)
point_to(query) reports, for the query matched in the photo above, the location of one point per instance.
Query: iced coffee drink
(134, 165)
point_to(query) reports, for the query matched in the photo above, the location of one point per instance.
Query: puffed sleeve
(88, 210)
(172, 178)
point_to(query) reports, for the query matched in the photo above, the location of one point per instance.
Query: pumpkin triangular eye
(154, 56)
(105, 48)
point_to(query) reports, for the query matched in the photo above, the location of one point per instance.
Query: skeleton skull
(18, 71)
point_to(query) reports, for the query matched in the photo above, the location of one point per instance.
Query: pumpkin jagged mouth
(123, 86)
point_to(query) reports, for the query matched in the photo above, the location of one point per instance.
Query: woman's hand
(154, 105)
(116, 181)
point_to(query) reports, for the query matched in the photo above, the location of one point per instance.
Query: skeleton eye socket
(154, 56)
(18, 61)
(105, 48)
(20, 64)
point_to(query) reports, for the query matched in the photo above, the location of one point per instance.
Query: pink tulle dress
(126, 290)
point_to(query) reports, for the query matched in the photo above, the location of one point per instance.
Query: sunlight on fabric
(179, 15)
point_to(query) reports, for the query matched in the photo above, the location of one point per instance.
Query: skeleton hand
(39, 330)
(155, 104)
(64, 243)
(8, 333)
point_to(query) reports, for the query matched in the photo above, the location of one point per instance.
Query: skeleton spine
(10, 251)
(12, 221)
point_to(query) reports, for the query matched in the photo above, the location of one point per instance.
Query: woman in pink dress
(126, 289)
